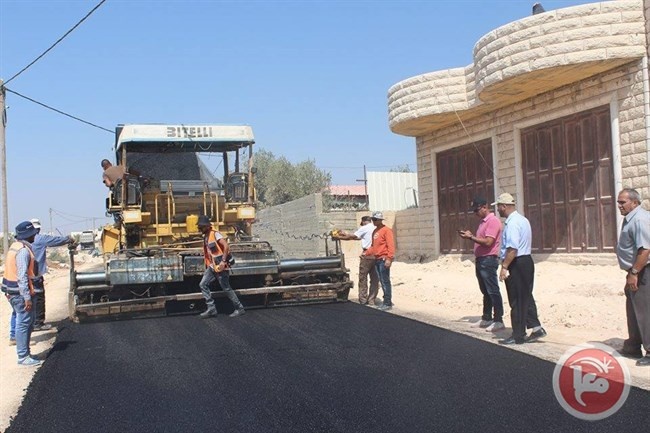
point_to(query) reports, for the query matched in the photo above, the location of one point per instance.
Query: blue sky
(310, 77)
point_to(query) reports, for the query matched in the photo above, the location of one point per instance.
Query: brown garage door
(463, 173)
(569, 184)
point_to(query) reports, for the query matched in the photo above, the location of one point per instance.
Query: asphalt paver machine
(153, 253)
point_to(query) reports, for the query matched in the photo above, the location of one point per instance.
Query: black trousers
(637, 307)
(39, 308)
(519, 285)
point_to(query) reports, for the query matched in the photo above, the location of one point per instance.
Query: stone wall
(646, 10)
(299, 229)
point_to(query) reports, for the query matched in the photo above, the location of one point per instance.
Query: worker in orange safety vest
(216, 253)
(18, 288)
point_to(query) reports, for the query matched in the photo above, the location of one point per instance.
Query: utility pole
(3, 166)
(365, 186)
(51, 227)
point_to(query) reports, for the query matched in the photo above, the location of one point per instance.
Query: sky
(310, 77)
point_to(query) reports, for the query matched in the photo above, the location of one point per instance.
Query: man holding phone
(486, 250)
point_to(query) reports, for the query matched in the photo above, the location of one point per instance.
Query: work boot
(210, 312)
(238, 312)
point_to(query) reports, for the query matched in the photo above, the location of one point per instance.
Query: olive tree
(278, 181)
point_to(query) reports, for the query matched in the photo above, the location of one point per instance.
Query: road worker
(366, 265)
(216, 253)
(17, 285)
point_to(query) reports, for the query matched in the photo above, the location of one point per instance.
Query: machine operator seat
(133, 191)
(237, 187)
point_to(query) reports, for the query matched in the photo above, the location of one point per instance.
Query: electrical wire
(58, 212)
(58, 226)
(57, 42)
(59, 111)
(64, 214)
(473, 142)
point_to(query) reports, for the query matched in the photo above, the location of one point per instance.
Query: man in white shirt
(366, 265)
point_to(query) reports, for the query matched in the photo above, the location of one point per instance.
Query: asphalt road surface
(321, 368)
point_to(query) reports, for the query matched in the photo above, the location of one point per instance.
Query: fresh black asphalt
(320, 368)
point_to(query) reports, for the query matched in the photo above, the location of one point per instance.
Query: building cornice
(519, 60)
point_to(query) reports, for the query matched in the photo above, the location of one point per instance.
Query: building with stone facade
(554, 109)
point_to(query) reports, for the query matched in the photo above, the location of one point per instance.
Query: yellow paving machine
(154, 251)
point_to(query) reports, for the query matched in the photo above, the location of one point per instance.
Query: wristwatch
(634, 271)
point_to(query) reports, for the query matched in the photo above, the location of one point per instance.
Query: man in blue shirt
(39, 246)
(518, 272)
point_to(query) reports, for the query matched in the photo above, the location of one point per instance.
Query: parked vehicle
(87, 240)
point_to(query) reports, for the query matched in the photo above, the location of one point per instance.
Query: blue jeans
(384, 278)
(486, 274)
(12, 325)
(209, 277)
(24, 321)
(36, 306)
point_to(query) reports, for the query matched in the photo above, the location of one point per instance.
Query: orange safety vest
(212, 251)
(10, 280)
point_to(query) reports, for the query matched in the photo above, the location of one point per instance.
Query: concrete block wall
(413, 234)
(289, 228)
(412, 229)
(299, 229)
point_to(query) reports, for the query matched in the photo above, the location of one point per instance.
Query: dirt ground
(576, 304)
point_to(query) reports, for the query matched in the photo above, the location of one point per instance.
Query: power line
(77, 223)
(59, 111)
(61, 213)
(57, 42)
(462, 124)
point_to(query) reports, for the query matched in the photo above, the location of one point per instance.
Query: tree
(262, 161)
(278, 181)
